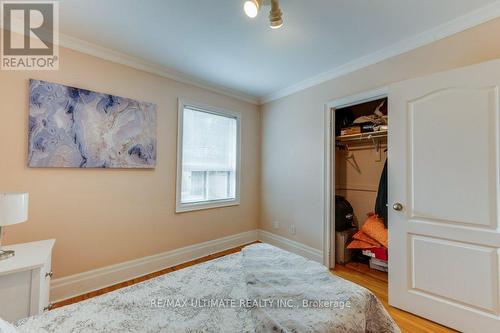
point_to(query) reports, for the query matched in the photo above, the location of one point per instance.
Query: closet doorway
(356, 135)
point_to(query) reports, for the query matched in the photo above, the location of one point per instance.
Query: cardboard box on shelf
(350, 130)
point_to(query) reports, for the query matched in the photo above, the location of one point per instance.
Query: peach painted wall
(103, 217)
(293, 128)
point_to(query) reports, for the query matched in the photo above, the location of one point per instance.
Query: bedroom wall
(103, 217)
(293, 128)
(358, 175)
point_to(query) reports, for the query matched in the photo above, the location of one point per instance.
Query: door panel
(443, 167)
(15, 291)
(453, 155)
(434, 271)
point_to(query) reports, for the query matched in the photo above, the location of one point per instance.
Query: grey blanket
(307, 297)
(261, 289)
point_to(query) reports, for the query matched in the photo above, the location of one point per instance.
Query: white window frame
(192, 206)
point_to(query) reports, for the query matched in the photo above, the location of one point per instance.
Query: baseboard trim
(82, 283)
(291, 245)
(78, 284)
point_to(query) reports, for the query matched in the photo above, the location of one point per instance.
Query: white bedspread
(261, 289)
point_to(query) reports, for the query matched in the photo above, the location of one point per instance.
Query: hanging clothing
(381, 202)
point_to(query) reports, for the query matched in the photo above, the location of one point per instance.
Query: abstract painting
(78, 128)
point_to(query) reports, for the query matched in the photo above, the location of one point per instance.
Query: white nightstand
(25, 280)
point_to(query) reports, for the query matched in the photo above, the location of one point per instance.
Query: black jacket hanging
(381, 202)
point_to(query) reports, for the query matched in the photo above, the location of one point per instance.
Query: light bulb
(276, 25)
(251, 8)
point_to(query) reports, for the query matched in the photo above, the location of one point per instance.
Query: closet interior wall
(358, 176)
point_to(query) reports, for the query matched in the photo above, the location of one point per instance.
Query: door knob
(397, 206)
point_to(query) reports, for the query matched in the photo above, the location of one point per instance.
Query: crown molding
(95, 50)
(447, 29)
(459, 24)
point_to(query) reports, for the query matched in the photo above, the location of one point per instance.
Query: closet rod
(362, 136)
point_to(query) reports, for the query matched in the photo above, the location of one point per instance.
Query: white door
(444, 238)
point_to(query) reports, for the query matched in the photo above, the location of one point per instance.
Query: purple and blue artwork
(77, 128)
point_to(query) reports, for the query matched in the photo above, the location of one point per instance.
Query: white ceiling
(214, 41)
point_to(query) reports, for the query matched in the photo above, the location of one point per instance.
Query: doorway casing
(329, 164)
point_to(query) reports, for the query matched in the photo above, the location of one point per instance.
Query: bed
(260, 289)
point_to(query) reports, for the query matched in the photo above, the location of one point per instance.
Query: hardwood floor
(358, 273)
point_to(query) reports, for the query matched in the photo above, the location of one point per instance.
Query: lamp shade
(13, 208)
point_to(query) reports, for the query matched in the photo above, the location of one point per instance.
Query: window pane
(208, 156)
(218, 184)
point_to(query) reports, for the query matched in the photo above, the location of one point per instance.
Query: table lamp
(13, 210)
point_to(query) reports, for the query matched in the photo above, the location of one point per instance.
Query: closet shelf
(362, 136)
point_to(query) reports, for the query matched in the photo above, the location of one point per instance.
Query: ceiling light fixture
(252, 7)
(275, 15)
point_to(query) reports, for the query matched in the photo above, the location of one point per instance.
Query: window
(208, 158)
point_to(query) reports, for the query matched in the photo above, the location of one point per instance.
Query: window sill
(188, 207)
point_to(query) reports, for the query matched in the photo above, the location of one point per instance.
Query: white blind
(208, 155)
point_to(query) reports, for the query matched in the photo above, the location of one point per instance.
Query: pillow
(5, 327)
(360, 235)
(359, 244)
(374, 227)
